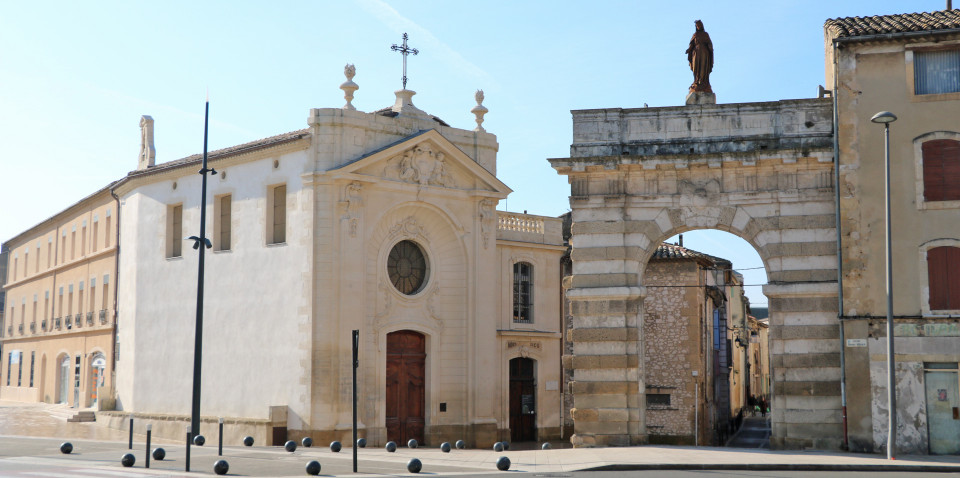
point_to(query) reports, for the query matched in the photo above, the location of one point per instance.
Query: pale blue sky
(76, 76)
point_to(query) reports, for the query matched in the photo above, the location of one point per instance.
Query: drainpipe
(116, 289)
(836, 190)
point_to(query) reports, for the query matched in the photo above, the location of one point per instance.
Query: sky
(75, 77)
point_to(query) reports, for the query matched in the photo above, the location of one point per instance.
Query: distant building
(59, 321)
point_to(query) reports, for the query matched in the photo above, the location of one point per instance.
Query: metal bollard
(149, 429)
(130, 445)
(220, 446)
(188, 448)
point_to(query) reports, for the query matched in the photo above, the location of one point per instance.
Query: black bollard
(307, 442)
(247, 441)
(545, 446)
(66, 447)
(414, 465)
(128, 460)
(391, 447)
(335, 446)
(503, 464)
(130, 445)
(188, 449)
(445, 447)
(221, 467)
(461, 445)
(290, 446)
(220, 446)
(412, 443)
(498, 447)
(159, 454)
(313, 468)
(149, 429)
(362, 442)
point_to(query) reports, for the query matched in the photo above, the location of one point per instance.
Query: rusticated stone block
(605, 334)
(584, 414)
(805, 360)
(804, 304)
(604, 280)
(805, 332)
(806, 388)
(603, 387)
(614, 415)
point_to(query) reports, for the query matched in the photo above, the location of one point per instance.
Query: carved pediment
(427, 160)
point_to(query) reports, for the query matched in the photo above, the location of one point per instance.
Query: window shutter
(941, 170)
(943, 274)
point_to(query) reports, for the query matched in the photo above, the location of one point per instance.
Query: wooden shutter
(943, 274)
(941, 170)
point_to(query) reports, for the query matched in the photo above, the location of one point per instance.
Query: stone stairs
(72, 415)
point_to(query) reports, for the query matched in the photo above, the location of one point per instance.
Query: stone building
(909, 65)
(384, 222)
(59, 326)
(768, 172)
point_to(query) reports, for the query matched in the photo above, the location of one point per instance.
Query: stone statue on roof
(700, 57)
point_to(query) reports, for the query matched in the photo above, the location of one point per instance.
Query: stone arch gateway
(762, 171)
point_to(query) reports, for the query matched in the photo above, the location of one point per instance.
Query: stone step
(83, 416)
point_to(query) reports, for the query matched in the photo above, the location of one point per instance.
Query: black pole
(200, 244)
(356, 349)
(148, 446)
(220, 446)
(188, 448)
(130, 444)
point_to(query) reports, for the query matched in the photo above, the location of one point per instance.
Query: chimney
(681, 241)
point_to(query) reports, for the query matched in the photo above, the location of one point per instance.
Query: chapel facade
(383, 222)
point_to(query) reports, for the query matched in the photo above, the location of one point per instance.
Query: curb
(775, 467)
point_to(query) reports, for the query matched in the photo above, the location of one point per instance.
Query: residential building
(58, 339)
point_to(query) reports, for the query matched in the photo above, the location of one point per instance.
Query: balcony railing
(43, 325)
(33, 327)
(68, 319)
(56, 323)
(103, 316)
(78, 320)
(20, 329)
(9, 330)
(89, 318)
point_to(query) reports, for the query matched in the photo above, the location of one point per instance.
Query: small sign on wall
(856, 342)
(551, 385)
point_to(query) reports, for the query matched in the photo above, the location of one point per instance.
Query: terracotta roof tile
(673, 251)
(900, 23)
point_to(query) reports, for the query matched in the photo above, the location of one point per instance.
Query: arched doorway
(98, 368)
(63, 378)
(523, 399)
(406, 360)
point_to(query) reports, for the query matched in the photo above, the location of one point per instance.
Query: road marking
(83, 473)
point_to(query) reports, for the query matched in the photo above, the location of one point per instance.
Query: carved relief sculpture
(350, 207)
(148, 152)
(422, 165)
(700, 57)
(487, 216)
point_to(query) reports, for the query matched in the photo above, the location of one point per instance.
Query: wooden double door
(406, 360)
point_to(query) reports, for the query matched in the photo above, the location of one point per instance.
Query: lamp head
(884, 117)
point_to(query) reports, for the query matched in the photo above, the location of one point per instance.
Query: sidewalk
(97, 452)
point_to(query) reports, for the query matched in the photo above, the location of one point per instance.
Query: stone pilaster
(607, 375)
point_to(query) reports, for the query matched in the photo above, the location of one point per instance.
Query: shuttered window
(943, 269)
(523, 292)
(941, 170)
(936, 72)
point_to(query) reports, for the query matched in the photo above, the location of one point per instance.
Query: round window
(407, 267)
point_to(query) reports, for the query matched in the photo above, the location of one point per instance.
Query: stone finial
(479, 111)
(349, 86)
(148, 152)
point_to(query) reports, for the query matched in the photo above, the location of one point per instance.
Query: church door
(406, 358)
(523, 400)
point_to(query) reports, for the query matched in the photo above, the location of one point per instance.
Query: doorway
(943, 407)
(406, 365)
(63, 381)
(523, 400)
(98, 368)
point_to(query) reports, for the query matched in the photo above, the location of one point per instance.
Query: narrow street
(755, 433)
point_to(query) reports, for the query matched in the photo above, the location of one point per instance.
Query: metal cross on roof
(404, 50)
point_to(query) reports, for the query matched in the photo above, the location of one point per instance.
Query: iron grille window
(661, 399)
(936, 72)
(523, 293)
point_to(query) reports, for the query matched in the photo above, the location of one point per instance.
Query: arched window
(941, 170)
(523, 293)
(943, 274)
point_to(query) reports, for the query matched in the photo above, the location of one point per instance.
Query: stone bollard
(221, 467)
(199, 440)
(335, 446)
(445, 447)
(247, 441)
(128, 460)
(461, 444)
(498, 447)
(290, 446)
(362, 442)
(412, 443)
(159, 454)
(414, 465)
(391, 446)
(503, 463)
(66, 448)
(313, 468)
(307, 442)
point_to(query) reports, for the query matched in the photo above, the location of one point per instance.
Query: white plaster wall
(253, 301)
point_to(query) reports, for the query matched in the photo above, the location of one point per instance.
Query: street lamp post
(885, 118)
